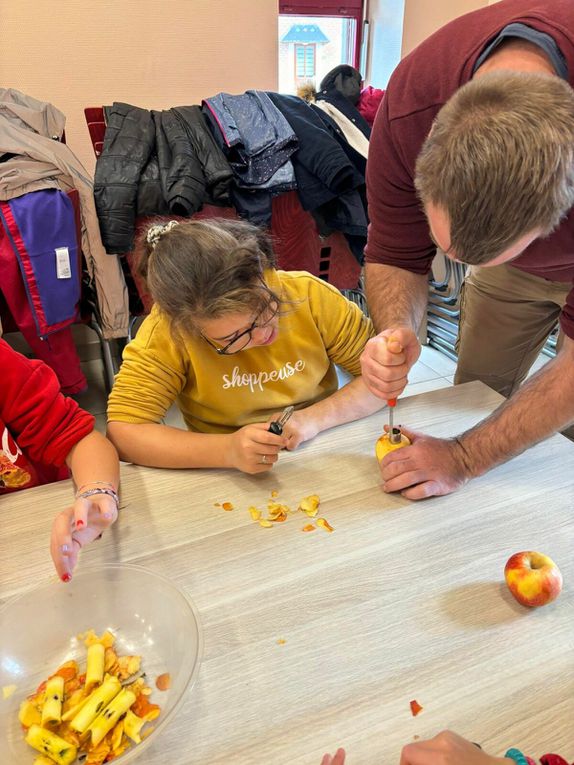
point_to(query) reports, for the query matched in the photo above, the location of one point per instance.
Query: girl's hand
(253, 449)
(300, 427)
(448, 749)
(337, 759)
(75, 527)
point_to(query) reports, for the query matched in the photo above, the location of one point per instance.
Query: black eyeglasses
(243, 339)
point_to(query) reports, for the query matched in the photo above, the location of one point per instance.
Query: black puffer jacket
(128, 144)
(155, 163)
(328, 183)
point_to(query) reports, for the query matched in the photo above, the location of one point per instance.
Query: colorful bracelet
(92, 492)
(517, 756)
(94, 483)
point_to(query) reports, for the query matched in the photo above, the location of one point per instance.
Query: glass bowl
(147, 613)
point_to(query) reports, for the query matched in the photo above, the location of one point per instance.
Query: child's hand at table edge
(76, 527)
(336, 759)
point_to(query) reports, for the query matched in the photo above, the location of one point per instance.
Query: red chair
(297, 243)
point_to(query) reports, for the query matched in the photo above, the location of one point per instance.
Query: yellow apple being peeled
(533, 578)
(385, 445)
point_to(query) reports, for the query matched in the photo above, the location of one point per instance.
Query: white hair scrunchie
(155, 233)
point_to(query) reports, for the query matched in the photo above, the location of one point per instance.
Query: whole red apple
(533, 578)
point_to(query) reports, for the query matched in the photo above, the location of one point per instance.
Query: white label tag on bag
(63, 269)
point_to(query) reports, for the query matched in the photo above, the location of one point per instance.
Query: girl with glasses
(233, 341)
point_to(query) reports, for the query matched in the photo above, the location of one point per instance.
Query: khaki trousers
(506, 316)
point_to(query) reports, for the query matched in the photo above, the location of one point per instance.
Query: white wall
(78, 53)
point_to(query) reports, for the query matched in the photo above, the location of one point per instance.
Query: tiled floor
(433, 370)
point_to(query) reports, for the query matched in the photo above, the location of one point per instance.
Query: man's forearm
(396, 297)
(541, 407)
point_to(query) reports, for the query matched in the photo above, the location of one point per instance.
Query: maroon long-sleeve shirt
(418, 88)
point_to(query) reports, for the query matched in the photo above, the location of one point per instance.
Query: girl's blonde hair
(204, 269)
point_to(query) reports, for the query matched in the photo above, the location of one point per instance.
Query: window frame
(348, 9)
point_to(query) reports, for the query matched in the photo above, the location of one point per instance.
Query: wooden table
(403, 601)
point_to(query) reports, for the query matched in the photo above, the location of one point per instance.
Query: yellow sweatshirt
(318, 328)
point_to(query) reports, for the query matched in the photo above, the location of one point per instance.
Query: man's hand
(300, 427)
(253, 449)
(429, 467)
(387, 360)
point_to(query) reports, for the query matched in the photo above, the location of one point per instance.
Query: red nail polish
(66, 577)
(79, 523)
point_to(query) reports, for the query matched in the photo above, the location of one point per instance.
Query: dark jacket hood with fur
(346, 79)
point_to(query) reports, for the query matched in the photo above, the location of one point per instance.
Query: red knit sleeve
(44, 423)
(553, 759)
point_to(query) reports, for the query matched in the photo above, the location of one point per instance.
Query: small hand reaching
(336, 759)
(76, 527)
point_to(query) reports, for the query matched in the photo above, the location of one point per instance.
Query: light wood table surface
(402, 601)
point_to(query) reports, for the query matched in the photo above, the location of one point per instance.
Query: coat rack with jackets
(246, 150)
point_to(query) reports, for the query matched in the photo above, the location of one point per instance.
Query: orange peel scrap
(275, 508)
(255, 513)
(277, 512)
(310, 505)
(415, 708)
(163, 681)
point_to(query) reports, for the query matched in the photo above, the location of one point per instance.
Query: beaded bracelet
(98, 483)
(91, 492)
(517, 756)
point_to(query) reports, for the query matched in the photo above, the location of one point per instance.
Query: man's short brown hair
(499, 161)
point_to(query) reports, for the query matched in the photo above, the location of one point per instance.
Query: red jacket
(38, 425)
(419, 86)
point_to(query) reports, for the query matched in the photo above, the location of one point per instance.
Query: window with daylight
(314, 37)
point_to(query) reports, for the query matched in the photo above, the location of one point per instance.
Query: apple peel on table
(533, 578)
